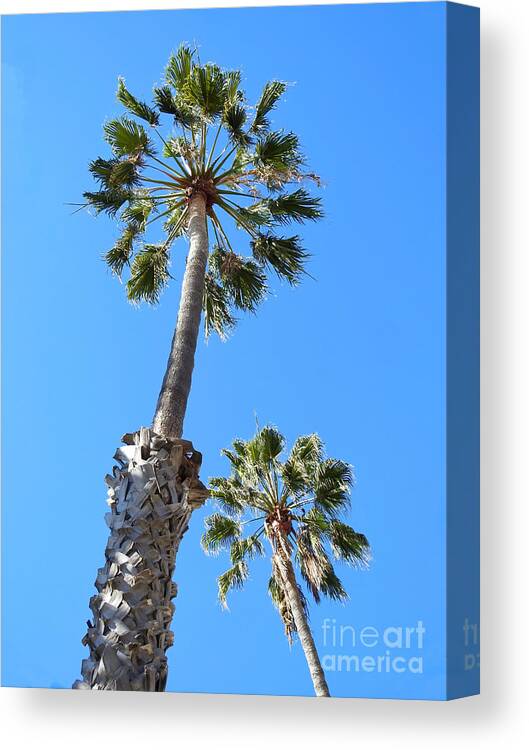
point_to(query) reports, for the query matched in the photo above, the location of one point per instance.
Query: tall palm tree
(296, 505)
(221, 163)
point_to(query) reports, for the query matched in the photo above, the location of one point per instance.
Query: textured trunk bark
(152, 495)
(172, 401)
(290, 583)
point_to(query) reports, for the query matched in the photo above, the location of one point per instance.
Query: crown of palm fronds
(300, 498)
(249, 174)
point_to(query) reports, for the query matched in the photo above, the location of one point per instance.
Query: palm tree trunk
(172, 401)
(152, 494)
(293, 596)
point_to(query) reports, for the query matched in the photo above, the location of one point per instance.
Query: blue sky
(354, 354)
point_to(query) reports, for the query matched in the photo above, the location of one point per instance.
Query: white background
(498, 718)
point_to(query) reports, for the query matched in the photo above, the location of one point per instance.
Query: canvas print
(241, 305)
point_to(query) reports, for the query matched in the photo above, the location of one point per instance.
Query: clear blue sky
(354, 355)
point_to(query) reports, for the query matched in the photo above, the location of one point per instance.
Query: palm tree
(296, 504)
(220, 164)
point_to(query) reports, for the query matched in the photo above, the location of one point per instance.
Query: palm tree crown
(218, 146)
(296, 504)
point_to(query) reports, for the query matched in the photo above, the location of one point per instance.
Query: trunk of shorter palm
(292, 593)
(151, 496)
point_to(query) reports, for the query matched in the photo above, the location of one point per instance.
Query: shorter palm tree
(296, 504)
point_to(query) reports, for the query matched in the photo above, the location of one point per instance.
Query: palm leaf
(179, 68)
(296, 206)
(308, 451)
(272, 92)
(280, 601)
(229, 493)
(232, 92)
(221, 532)
(149, 274)
(205, 90)
(347, 544)
(263, 450)
(234, 119)
(332, 587)
(108, 201)
(233, 578)
(136, 107)
(299, 469)
(101, 170)
(284, 254)
(175, 224)
(332, 484)
(256, 215)
(128, 138)
(250, 547)
(279, 150)
(216, 307)
(312, 560)
(138, 211)
(242, 278)
(164, 100)
(119, 255)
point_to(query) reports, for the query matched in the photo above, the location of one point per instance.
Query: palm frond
(233, 578)
(254, 216)
(175, 224)
(294, 478)
(332, 587)
(124, 174)
(280, 601)
(115, 173)
(347, 544)
(242, 278)
(119, 255)
(279, 150)
(229, 494)
(264, 448)
(308, 451)
(249, 547)
(312, 560)
(169, 104)
(101, 170)
(299, 469)
(165, 100)
(271, 94)
(180, 148)
(149, 274)
(283, 254)
(332, 484)
(138, 211)
(246, 469)
(108, 201)
(205, 90)
(134, 106)
(297, 206)
(221, 532)
(179, 68)
(232, 82)
(317, 523)
(128, 138)
(242, 159)
(234, 119)
(216, 307)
